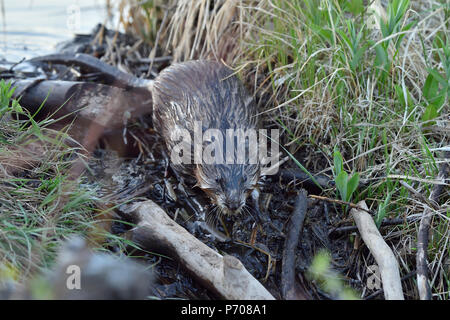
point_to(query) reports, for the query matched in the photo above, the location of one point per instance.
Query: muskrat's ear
(203, 181)
(200, 177)
(197, 178)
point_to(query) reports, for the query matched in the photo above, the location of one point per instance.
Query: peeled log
(383, 255)
(225, 275)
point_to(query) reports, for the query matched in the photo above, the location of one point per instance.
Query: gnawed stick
(225, 275)
(423, 285)
(383, 255)
(290, 288)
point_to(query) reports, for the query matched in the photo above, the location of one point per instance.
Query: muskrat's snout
(230, 201)
(228, 186)
(230, 205)
(233, 205)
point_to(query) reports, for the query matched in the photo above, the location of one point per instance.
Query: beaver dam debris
(101, 92)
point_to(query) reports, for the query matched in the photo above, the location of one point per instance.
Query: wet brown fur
(207, 91)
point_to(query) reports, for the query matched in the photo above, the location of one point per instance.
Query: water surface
(31, 28)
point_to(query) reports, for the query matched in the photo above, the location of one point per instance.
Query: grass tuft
(40, 204)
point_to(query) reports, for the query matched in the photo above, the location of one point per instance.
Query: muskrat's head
(228, 185)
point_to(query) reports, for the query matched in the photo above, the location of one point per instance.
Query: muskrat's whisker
(211, 218)
(247, 208)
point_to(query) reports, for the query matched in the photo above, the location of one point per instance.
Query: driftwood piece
(390, 275)
(92, 111)
(89, 102)
(225, 275)
(111, 75)
(290, 288)
(423, 285)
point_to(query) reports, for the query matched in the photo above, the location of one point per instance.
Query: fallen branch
(383, 255)
(350, 204)
(423, 285)
(384, 223)
(89, 102)
(419, 195)
(111, 75)
(297, 174)
(91, 110)
(225, 275)
(290, 288)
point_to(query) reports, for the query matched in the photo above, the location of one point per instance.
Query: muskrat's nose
(233, 206)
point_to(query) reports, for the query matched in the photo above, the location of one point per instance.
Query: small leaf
(438, 77)
(438, 41)
(15, 106)
(438, 102)
(381, 59)
(326, 34)
(341, 184)
(355, 6)
(352, 185)
(431, 112)
(382, 210)
(430, 87)
(338, 162)
(401, 96)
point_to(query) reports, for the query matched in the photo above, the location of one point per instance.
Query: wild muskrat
(185, 94)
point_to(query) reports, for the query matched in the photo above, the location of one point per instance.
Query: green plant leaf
(382, 210)
(438, 77)
(325, 34)
(352, 185)
(431, 112)
(381, 59)
(341, 184)
(401, 96)
(430, 88)
(438, 41)
(338, 162)
(355, 6)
